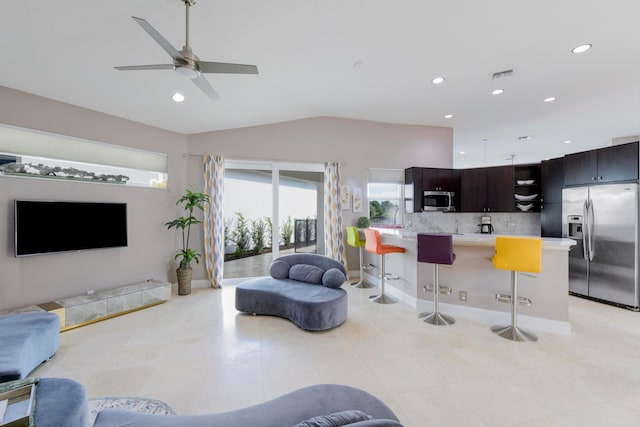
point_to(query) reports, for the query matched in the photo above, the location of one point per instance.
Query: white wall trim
(483, 315)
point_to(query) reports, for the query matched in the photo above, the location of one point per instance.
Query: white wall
(357, 144)
(31, 280)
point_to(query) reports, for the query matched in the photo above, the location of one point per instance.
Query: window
(385, 195)
(30, 153)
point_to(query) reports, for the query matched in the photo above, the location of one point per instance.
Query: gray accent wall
(37, 279)
(357, 144)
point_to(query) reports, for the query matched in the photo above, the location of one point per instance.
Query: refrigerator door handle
(592, 223)
(585, 228)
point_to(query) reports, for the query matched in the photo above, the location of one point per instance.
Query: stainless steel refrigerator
(603, 219)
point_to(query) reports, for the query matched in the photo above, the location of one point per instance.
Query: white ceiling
(306, 50)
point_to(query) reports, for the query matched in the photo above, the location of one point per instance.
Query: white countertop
(479, 239)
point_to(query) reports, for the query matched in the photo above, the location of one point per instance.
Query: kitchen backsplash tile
(503, 223)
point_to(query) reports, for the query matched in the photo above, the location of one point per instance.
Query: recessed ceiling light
(357, 64)
(448, 116)
(581, 48)
(567, 142)
(484, 139)
(497, 92)
(437, 80)
(462, 152)
(178, 97)
(550, 99)
(524, 138)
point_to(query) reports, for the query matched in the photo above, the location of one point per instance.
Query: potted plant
(192, 200)
(364, 222)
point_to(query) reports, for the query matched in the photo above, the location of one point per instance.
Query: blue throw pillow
(279, 269)
(333, 278)
(306, 273)
(337, 419)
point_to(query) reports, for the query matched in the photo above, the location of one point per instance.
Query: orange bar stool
(374, 245)
(436, 249)
(353, 239)
(518, 255)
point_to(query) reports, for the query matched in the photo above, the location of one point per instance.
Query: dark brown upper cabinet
(609, 164)
(413, 189)
(487, 189)
(552, 180)
(437, 179)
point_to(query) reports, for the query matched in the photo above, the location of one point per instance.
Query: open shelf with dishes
(526, 188)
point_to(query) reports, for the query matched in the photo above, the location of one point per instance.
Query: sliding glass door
(270, 209)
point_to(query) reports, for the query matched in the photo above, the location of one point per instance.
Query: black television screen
(43, 227)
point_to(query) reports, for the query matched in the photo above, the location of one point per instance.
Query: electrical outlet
(463, 295)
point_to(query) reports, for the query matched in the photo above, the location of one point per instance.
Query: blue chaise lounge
(304, 288)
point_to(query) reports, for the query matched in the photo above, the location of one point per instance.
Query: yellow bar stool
(518, 255)
(353, 239)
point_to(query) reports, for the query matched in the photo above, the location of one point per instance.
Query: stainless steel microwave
(438, 201)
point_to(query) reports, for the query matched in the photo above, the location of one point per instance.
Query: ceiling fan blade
(164, 44)
(226, 68)
(145, 67)
(204, 86)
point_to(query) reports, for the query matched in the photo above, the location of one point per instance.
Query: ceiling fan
(185, 62)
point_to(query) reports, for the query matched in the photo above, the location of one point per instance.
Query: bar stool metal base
(514, 333)
(362, 284)
(437, 318)
(383, 299)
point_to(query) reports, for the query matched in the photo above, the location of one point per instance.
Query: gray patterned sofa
(304, 288)
(313, 406)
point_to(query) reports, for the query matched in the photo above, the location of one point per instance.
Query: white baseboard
(483, 315)
(492, 317)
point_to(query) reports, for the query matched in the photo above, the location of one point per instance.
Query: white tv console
(86, 309)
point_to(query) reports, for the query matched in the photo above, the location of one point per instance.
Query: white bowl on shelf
(526, 198)
(524, 208)
(525, 181)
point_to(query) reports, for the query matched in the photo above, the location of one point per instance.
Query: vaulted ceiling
(363, 59)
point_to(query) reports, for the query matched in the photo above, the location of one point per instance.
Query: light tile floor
(201, 356)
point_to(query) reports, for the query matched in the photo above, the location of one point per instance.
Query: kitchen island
(473, 273)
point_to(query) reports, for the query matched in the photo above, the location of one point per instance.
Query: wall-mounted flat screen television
(43, 227)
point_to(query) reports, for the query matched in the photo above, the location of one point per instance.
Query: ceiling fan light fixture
(187, 72)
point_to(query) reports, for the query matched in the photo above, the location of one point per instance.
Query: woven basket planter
(184, 280)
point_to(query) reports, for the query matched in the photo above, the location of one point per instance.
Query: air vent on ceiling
(502, 74)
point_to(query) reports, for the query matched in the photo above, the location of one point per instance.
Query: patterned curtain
(333, 230)
(214, 219)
